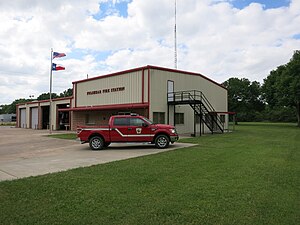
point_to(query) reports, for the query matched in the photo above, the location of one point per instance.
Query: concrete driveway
(26, 152)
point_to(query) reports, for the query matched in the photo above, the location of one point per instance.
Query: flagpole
(50, 107)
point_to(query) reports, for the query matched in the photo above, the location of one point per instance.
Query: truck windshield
(147, 120)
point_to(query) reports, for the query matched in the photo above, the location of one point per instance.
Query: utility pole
(175, 37)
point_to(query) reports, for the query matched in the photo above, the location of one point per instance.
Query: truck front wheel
(162, 141)
(96, 143)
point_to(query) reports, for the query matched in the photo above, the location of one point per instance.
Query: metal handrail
(194, 95)
(210, 107)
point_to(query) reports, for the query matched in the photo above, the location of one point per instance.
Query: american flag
(58, 55)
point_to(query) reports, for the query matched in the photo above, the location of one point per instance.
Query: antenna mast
(175, 38)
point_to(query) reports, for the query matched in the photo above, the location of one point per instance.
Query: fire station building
(190, 101)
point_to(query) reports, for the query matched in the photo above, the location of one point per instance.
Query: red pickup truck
(127, 128)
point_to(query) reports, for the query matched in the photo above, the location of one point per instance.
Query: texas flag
(56, 67)
(58, 55)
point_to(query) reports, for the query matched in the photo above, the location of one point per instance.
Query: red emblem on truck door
(138, 130)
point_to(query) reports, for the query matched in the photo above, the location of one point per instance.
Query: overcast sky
(217, 38)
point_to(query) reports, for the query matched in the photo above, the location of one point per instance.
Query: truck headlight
(173, 131)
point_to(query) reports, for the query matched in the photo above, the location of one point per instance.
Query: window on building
(179, 118)
(159, 117)
(121, 122)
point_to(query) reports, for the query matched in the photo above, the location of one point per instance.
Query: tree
(46, 96)
(3, 109)
(67, 93)
(282, 87)
(245, 98)
(11, 109)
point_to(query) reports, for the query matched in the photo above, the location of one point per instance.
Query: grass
(69, 136)
(7, 123)
(250, 176)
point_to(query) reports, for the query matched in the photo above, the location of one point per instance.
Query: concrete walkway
(25, 152)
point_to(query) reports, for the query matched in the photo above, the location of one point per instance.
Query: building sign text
(105, 91)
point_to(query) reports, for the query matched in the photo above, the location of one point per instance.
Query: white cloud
(214, 38)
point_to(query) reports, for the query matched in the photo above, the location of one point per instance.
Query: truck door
(119, 129)
(139, 131)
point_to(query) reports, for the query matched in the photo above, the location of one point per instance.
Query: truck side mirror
(145, 125)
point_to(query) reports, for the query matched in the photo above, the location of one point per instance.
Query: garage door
(23, 118)
(34, 118)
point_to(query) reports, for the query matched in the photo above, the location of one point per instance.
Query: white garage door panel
(34, 118)
(23, 118)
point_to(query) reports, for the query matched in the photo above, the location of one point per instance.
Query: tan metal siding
(158, 94)
(132, 93)
(146, 78)
(44, 104)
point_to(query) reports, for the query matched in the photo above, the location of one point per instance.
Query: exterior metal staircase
(201, 106)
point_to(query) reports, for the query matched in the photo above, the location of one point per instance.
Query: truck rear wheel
(96, 143)
(162, 141)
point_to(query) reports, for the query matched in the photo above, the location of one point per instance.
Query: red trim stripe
(108, 107)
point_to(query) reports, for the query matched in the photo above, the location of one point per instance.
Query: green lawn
(250, 176)
(69, 136)
(7, 123)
